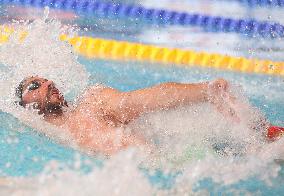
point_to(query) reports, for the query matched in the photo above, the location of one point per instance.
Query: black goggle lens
(33, 85)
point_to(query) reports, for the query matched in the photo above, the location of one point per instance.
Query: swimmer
(97, 121)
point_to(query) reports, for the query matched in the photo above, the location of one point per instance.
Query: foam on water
(119, 176)
(195, 141)
(40, 54)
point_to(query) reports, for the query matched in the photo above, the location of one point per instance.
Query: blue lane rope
(250, 27)
(272, 3)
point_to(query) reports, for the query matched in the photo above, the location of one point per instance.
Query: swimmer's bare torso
(98, 120)
(96, 125)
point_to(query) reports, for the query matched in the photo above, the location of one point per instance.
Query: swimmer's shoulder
(100, 90)
(98, 93)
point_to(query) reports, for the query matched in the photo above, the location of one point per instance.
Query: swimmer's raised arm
(130, 105)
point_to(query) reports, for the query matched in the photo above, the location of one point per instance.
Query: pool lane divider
(127, 51)
(121, 50)
(250, 27)
(269, 3)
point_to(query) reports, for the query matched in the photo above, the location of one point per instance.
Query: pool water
(25, 152)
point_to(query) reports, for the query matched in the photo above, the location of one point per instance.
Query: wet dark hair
(19, 92)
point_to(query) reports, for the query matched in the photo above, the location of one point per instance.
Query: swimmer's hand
(220, 96)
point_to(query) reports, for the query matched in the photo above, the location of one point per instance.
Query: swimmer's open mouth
(54, 91)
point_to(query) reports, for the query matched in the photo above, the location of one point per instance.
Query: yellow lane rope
(121, 50)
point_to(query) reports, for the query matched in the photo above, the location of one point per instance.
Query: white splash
(119, 176)
(203, 144)
(40, 54)
(196, 140)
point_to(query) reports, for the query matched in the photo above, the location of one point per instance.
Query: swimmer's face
(41, 94)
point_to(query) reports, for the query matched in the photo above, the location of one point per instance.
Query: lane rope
(250, 27)
(127, 51)
(270, 3)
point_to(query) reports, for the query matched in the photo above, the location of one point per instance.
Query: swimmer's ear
(65, 103)
(19, 103)
(35, 106)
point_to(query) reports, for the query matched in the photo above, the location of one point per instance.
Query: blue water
(31, 152)
(25, 152)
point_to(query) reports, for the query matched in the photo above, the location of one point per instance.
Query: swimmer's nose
(48, 83)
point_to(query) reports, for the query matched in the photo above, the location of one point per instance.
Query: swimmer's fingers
(229, 97)
(223, 99)
(227, 111)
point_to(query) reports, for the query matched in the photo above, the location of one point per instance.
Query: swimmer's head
(41, 94)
